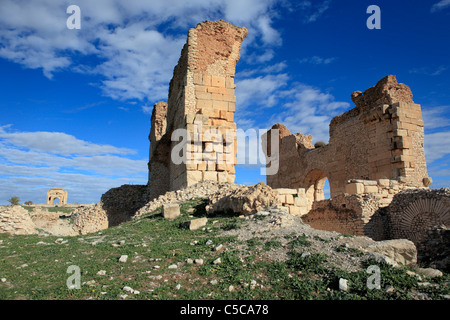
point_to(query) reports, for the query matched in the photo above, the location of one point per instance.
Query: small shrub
(28, 203)
(319, 144)
(14, 201)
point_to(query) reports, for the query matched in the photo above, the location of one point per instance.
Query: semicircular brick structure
(413, 213)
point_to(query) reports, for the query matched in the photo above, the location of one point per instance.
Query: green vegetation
(35, 267)
(14, 201)
(319, 144)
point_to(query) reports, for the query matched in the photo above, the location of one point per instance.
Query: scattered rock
(189, 261)
(173, 266)
(130, 290)
(196, 223)
(198, 261)
(171, 211)
(217, 261)
(245, 200)
(343, 284)
(382, 259)
(123, 258)
(430, 272)
(101, 273)
(400, 250)
(389, 289)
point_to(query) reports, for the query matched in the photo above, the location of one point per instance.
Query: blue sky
(76, 104)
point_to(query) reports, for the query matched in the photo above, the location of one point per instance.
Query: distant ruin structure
(381, 138)
(56, 193)
(201, 99)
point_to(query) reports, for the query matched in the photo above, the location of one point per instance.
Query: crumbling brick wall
(201, 101)
(381, 138)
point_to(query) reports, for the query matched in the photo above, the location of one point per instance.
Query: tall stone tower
(201, 102)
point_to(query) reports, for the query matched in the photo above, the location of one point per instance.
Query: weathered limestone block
(400, 250)
(171, 211)
(354, 188)
(244, 200)
(196, 224)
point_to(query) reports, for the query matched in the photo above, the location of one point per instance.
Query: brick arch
(420, 216)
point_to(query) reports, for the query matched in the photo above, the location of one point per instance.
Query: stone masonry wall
(354, 214)
(201, 101)
(16, 220)
(381, 138)
(294, 200)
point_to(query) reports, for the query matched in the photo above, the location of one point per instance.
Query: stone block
(217, 81)
(197, 223)
(296, 211)
(222, 176)
(289, 199)
(354, 188)
(171, 211)
(194, 175)
(281, 198)
(286, 191)
(384, 182)
(300, 202)
(371, 189)
(210, 175)
(229, 83)
(206, 80)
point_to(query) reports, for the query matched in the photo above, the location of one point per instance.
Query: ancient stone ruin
(57, 193)
(375, 165)
(202, 102)
(374, 161)
(381, 138)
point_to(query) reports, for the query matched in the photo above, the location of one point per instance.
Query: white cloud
(429, 71)
(130, 40)
(317, 60)
(33, 162)
(441, 5)
(311, 10)
(59, 143)
(261, 91)
(437, 145)
(300, 107)
(435, 117)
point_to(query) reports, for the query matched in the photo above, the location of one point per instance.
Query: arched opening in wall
(315, 185)
(56, 201)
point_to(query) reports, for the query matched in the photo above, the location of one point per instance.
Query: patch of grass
(350, 251)
(272, 244)
(300, 241)
(39, 271)
(312, 263)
